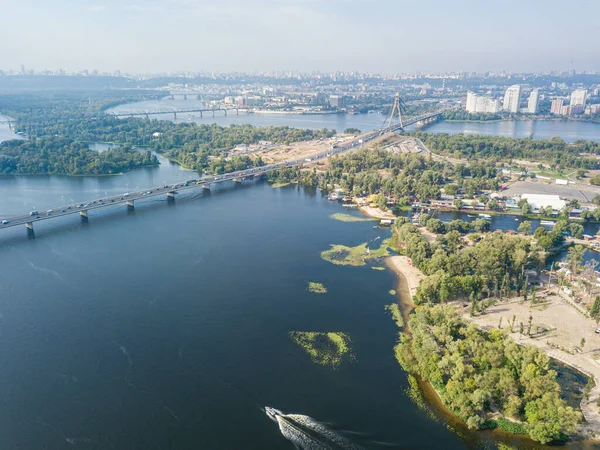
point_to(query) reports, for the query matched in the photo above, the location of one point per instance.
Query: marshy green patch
(278, 184)
(377, 268)
(354, 256)
(394, 310)
(317, 288)
(392, 291)
(350, 218)
(326, 349)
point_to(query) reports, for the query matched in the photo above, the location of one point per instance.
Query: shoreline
(409, 278)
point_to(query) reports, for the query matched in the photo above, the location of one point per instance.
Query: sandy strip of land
(376, 212)
(413, 275)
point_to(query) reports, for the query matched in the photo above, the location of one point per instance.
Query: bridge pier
(237, 180)
(213, 111)
(185, 96)
(201, 114)
(83, 214)
(129, 204)
(197, 97)
(225, 113)
(147, 117)
(171, 195)
(174, 115)
(29, 226)
(206, 187)
(172, 97)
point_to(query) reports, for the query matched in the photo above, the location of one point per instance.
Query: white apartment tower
(578, 97)
(512, 98)
(481, 104)
(471, 102)
(534, 101)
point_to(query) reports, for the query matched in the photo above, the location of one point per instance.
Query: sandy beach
(376, 212)
(412, 275)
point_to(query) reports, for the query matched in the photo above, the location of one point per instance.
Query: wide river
(569, 130)
(168, 326)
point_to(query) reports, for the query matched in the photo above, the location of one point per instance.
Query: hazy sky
(306, 35)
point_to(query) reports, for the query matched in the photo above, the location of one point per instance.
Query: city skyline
(301, 35)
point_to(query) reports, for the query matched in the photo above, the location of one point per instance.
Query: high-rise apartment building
(481, 104)
(556, 106)
(534, 101)
(512, 98)
(578, 97)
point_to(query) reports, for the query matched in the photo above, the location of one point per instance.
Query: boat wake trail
(136, 387)
(126, 353)
(50, 271)
(308, 434)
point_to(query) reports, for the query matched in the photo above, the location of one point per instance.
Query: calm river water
(168, 327)
(569, 130)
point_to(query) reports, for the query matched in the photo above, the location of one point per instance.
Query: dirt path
(566, 328)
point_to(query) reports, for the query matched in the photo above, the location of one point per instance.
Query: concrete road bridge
(128, 199)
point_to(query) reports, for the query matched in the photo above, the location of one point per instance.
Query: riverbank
(565, 328)
(294, 113)
(413, 276)
(409, 279)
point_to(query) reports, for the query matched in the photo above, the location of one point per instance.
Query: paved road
(104, 202)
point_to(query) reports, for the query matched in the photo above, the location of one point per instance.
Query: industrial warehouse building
(543, 200)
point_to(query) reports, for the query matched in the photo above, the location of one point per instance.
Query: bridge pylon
(396, 110)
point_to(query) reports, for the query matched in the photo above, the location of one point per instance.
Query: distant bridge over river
(128, 199)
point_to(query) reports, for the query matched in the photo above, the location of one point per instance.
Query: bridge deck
(106, 202)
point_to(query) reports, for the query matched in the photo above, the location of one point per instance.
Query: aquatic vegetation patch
(511, 427)
(326, 349)
(279, 184)
(377, 268)
(413, 391)
(317, 288)
(394, 310)
(354, 256)
(392, 291)
(350, 218)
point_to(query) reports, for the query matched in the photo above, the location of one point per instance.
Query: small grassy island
(317, 288)
(486, 378)
(350, 218)
(354, 256)
(326, 349)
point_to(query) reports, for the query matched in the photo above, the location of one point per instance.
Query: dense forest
(493, 267)
(479, 374)
(61, 156)
(31, 108)
(403, 176)
(461, 114)
(554, 152)
(189, 144)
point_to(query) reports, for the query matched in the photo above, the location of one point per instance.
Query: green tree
(525, 227)
(595, 311)
(576, 230)
(575, 257)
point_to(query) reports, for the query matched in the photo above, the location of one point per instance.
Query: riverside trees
(494, 267)
(61, 156)
(477, 372)
(189, 144)
(555, 151)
